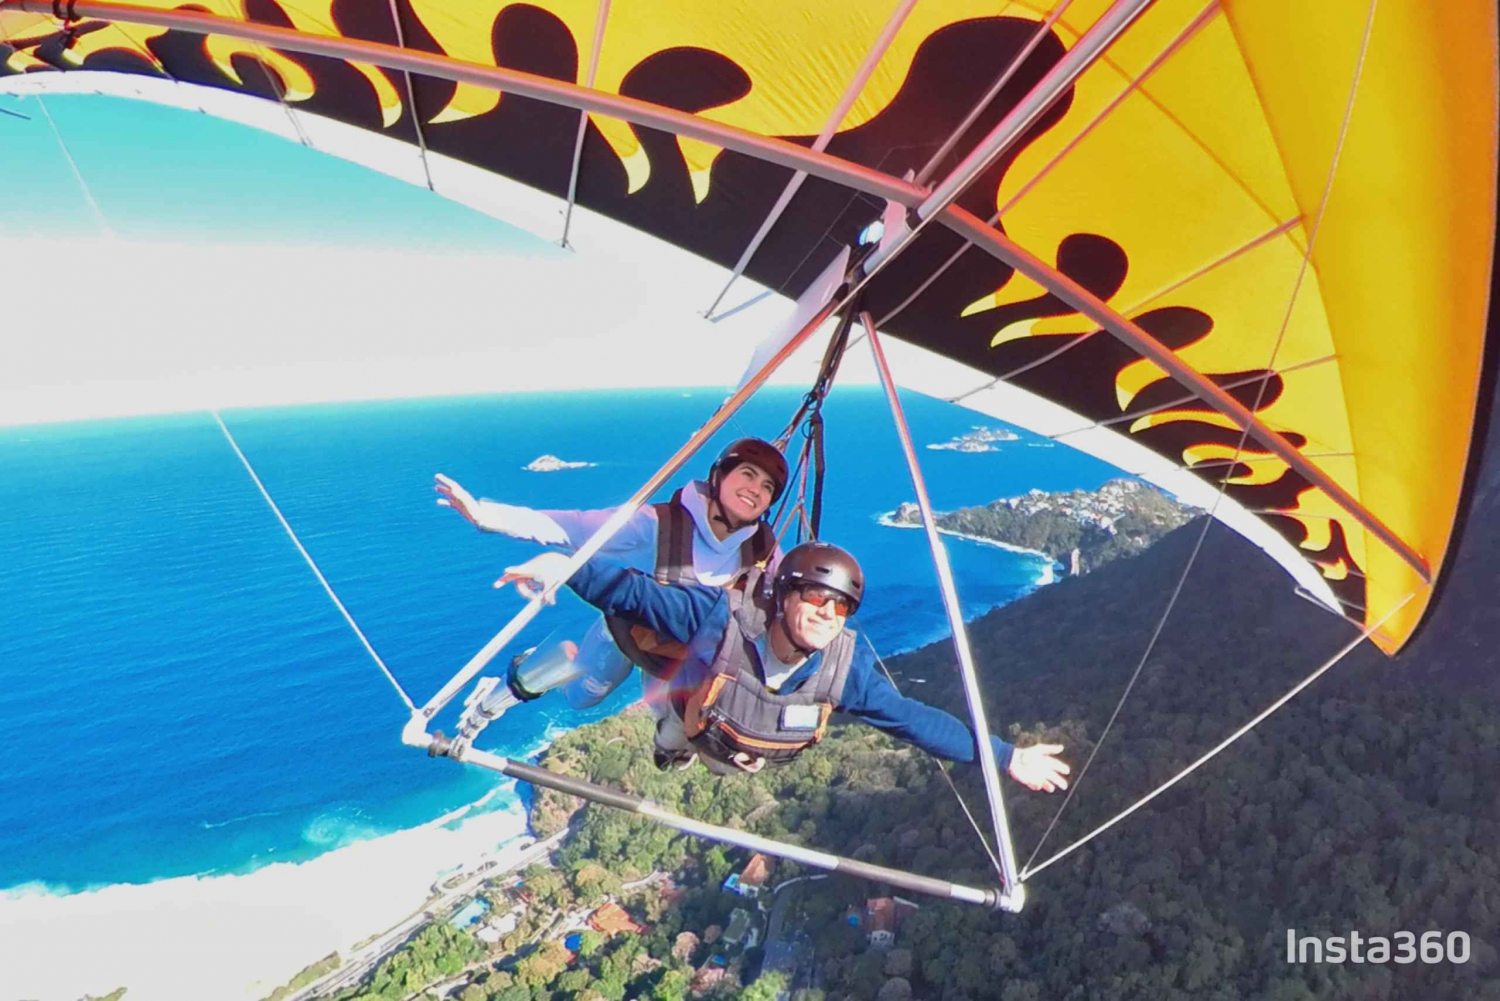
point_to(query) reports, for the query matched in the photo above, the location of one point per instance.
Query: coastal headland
(1081, 529)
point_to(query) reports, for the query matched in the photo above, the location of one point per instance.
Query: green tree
(589, 943)
(765, 988)
(672, 986)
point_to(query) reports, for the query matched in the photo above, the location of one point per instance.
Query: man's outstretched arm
(868, 695)
(871, 697)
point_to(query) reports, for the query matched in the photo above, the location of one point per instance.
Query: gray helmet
(821, 563)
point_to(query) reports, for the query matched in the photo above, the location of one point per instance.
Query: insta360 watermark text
(1400, 947)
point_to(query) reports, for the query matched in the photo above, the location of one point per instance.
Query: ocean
(181, 696)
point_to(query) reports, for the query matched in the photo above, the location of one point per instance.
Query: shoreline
(234, 937)
(241, 936)
(889, 521)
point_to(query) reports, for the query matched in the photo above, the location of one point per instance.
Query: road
(778, 905)
(362, 962)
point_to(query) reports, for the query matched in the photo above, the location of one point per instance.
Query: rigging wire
(1017, 61)
(88, 195)
(411, 98)
(1239, 448)
(273, 78)
(313, 564)
(963, 805)
(1343, 652)
(798, 514)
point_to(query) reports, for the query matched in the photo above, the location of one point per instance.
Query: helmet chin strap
(717, 513)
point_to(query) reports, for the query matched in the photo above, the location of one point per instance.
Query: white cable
(1239, 447)
(411, 98)
(994, 859)
(318, 573)
(83, 185)
(1347, 649)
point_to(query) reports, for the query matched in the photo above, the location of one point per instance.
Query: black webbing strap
(815, 442)
(809, 417)
(674, 542)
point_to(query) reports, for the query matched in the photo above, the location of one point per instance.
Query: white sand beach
(233, 937)
(889, 521)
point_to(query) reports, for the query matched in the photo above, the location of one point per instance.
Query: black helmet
(754, 450)
(821, 563)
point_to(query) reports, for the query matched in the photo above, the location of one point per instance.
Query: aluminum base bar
(988, 767)
(728, 835)
(416, 729)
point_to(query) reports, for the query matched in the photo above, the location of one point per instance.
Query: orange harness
(732, 712)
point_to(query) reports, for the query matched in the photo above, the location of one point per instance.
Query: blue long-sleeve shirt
(697, 615)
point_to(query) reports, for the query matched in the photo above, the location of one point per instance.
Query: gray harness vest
(659, 656)
(733, 712)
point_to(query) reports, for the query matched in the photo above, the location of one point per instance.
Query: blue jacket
(696, 615)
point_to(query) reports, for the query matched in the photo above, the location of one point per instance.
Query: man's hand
(1039, 768)
(450, 494)
(537, 575)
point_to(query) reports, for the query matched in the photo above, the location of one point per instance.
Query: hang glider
(1241, 248)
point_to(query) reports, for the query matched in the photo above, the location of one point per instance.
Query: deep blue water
(181, 697)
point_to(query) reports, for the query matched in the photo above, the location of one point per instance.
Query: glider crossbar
(415, 732)
(728, 835)
(988, 767)
(540, 88)
(770, 150)
(1001, 247)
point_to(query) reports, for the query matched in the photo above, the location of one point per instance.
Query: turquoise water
(180, 695)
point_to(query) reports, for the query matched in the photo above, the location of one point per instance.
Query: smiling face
(811, 626)
(745, 492)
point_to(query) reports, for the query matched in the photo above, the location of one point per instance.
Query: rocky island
(978, 439)
(551, 464)
(1081, 529)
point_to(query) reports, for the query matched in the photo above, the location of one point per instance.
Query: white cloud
(159, 327)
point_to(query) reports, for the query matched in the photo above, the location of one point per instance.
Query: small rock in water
(551, 463)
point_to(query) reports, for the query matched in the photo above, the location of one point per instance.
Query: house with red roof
(611, 919)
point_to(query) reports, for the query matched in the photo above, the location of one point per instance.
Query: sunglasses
(818, 596)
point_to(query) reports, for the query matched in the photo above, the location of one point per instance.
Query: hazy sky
(226, 266)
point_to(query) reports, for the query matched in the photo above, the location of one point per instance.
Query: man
(764, 667)
(709, 533)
